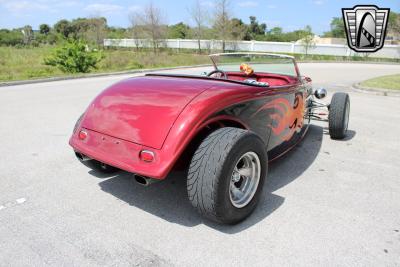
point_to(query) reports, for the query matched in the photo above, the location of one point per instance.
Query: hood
(142, 110)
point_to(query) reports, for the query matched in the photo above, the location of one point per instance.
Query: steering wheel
(217, 71)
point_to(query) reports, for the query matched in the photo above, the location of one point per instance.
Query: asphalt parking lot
(326, 203)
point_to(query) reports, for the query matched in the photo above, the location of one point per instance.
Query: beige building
(329, 40)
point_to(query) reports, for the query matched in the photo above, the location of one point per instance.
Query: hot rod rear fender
(217, 107)
(262, 110)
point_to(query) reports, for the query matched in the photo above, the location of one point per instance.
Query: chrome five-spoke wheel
(245, 179)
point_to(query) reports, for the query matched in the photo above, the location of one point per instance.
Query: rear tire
(218, 162)
(339, 112)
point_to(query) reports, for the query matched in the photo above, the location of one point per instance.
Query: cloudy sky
(289, 15)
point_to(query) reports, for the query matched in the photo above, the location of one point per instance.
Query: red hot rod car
(227, 124)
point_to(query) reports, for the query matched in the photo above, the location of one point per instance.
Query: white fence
(388, 51)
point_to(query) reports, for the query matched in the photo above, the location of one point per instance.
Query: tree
(222, 21)
(136, 28)
(28, 34)
(199, 16)
(44, 29)
(14, 37)
(63, 27)
(117, 33)
(79, 27)
(394, 24)
(96, 30)
(337, 28)
(295, 35)
(255, 28)
(276, 31)
(151, 21)
(93, 30)
(308, 39)
(238, 29)
(276, 34)
(178, 31)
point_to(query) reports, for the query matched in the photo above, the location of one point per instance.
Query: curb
(94, 75)
(376, 91)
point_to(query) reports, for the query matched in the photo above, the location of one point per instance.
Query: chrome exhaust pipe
(82, 157)
(144, 180)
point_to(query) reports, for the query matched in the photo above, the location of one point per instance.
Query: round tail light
(146, 155)
(82, 135)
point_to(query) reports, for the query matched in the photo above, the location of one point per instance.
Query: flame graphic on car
(287, 118)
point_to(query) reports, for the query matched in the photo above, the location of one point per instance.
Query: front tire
(339, 112)
(226, 175)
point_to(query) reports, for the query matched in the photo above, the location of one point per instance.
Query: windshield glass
(258, 62)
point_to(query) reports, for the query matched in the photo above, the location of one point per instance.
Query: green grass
(391, 82)
(25, 63)
(118, 60)
(28, 63)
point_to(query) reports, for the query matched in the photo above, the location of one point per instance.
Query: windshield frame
(213, 58)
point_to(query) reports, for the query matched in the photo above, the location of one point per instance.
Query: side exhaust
(144, 180)
(82, 157)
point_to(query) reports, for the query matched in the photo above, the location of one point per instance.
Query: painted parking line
(20, 200)
(7, 205)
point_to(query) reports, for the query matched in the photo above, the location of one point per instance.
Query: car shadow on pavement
(350, 134)
(103, 175)
(168, 199)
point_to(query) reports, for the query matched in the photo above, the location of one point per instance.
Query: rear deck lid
(142, 110)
